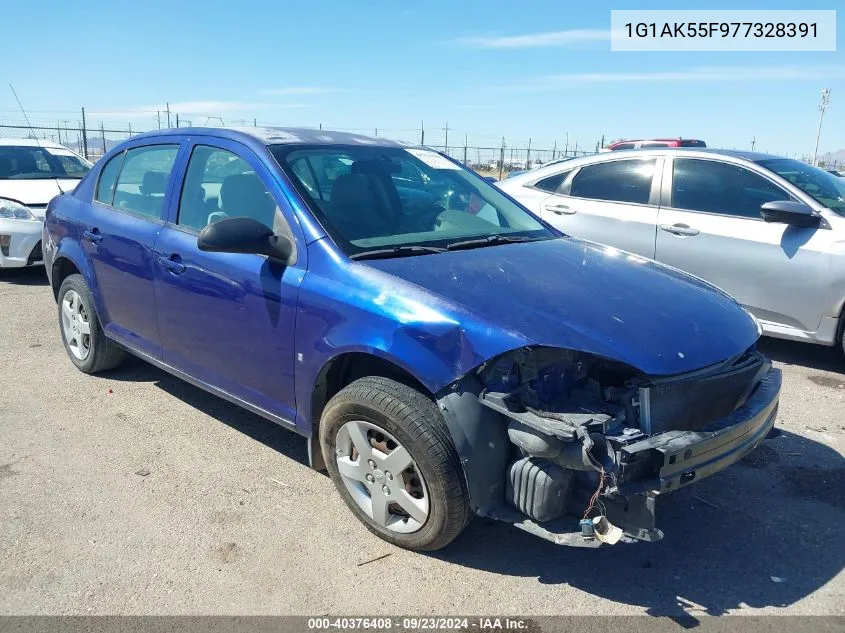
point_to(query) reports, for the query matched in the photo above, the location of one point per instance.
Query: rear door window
(143, 180)
(715, 187)
(615, 181)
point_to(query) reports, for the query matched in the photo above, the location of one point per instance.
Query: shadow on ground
(764, 533)
(31, 276)
(286, 442)
(804, 354)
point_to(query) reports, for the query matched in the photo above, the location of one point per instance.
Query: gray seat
(360, 208)
(245, 195)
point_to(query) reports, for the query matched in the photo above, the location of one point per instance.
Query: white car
(32, 172)
(768, 230)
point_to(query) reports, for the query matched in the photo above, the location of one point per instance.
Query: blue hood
(583, 296)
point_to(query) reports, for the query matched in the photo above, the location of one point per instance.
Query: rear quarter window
(552, 183)
(108, 179)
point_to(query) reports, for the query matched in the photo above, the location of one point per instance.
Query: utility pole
(554, 150)
(447, 138)
(255, 123)
(602, 141)
(103, 134)
(566, 147)
(177, 119)
(59, 130)
(130, 129)
(753, 142)
(502, 159)
(422, 132)
(528, 157)
(168, 114)
(158, 118)
(466, 141)
(822, 107)
(376, 134)
(84, 137)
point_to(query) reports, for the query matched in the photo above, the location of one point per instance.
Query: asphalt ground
(136, 493)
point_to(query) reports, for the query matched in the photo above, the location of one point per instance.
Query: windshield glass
(372, 198)
(817, 183)
(23, 162)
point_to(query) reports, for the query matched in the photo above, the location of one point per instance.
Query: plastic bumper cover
(24, 237)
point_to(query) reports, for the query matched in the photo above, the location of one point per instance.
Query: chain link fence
(93, 142)
(502, 160)
(88, 142)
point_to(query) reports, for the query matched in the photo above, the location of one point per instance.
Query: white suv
(32, 172)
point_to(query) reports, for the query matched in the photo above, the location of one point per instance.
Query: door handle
(560, 209)
(93, 235)
(173, 264)
(679, 229)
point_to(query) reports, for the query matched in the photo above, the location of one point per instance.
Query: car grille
(690, 403)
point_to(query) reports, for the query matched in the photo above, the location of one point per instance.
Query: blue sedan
(444, 352)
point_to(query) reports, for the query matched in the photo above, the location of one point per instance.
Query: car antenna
(31, 129)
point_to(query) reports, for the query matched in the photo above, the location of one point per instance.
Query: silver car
(768, 230)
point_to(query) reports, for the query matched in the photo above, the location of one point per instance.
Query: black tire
(415, 421)
(103, 354)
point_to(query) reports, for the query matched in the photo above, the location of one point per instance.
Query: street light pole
(822, 107)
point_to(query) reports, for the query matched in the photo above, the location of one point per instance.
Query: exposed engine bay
(591, 442)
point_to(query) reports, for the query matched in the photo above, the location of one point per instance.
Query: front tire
(85, 343)
(393, 461)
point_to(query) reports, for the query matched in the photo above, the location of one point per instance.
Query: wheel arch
(338, 372)
(61, 269)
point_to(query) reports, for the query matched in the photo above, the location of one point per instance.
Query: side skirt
(216, 391)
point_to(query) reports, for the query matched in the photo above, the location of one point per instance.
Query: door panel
(611, 202)
(628, 227)
(228, 319)
(120, 249)
(777, 271)
(118, 238)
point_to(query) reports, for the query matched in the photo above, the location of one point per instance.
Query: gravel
(136, 493)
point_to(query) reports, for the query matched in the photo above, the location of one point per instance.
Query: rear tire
(423, 504)
(85, 343)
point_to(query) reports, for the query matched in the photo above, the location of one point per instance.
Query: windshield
(817, 183)
(377, 198)
(30, 162)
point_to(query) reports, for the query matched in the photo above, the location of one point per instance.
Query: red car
(656, 142)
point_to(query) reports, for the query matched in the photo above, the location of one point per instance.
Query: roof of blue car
(280, 135)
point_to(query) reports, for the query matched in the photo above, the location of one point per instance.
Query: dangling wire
(595, 498)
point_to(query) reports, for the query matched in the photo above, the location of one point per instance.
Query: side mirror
(244, 235)
(788, 212)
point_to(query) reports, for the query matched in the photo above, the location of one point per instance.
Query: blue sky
(541, 70)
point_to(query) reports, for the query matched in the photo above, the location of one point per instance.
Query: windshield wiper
(398, 251)
(492, 240)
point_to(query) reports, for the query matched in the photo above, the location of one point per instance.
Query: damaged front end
(576, 448)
